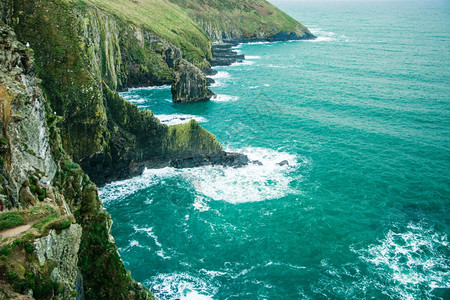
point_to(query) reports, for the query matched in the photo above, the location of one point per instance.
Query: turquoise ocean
(361, 210)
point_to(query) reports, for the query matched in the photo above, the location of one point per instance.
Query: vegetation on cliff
(93, 54)
(167, 20)
(243, 20)
(65, 232)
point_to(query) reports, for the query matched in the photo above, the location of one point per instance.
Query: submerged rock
(283, 163)
(257, 162)
(209, 81)
(190, 84)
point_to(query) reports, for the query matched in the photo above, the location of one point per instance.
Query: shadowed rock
(190, 84)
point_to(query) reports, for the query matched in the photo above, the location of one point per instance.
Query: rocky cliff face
(189, 84)
(24, 142)
(54, 236)
(62, 248)
(233, 33)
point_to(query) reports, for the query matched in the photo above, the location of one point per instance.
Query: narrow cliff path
(14, 231)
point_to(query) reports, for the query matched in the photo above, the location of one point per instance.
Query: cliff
(93, 54)
(54, 238)
(243, 21)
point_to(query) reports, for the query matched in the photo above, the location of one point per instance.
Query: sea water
(359, 208)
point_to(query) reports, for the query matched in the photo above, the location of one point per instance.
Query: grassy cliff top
(183, 22)
(167, 20)
(251, 17)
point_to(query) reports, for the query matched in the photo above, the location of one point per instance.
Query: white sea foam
(220, 75)
(252, 57)
(248, 184)
(149, 232)
(322, 39)
(124, 188)
(224, 98)
(252, 183)
(322, 35)
(180, 286)
(414, 261)
(280, 67)
(135, 243)
(259, 43)
(220, 78)
(242, 63)
(133, 98)
(200, 204)
(176, 119)
(148, 88)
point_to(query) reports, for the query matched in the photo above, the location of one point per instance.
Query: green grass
(251, 17)
(177, 21)
(191, 138)
(165, 19)
(11, 219)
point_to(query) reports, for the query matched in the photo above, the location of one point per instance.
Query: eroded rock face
(190, 84)
(38, 178)
(63, 249)
(24, 148)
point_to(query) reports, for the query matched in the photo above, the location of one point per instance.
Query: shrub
(12, 276)
(11, 219)
(32, 189)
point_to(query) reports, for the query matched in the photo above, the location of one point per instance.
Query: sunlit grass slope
(166, 19)
(251, 17)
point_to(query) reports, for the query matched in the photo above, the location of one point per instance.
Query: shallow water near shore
(361, 209)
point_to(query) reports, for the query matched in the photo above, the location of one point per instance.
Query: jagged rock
(224, 55)
(190, 83)
(26, 142)
(225, 159)
(63, 249)
(209, 81)
(25, 196)
(28, 169)
(283, 163)
(257, 162)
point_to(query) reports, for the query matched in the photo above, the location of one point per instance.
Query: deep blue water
(362, 115)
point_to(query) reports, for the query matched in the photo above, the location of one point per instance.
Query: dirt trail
(14, 231)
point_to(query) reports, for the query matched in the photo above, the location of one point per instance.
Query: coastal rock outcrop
(190, 83)
(224, 55)
(94, 54)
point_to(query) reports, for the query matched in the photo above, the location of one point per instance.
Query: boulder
(190, 84)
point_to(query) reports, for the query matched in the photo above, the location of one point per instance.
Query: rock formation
(190, 83)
